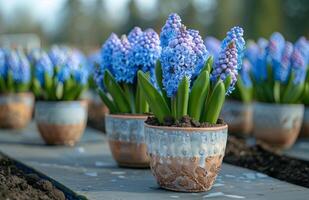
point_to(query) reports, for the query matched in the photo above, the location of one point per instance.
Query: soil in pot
(184, 121)
(257, 158)
(17, 185)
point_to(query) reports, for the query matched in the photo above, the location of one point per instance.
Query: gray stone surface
(89, 170)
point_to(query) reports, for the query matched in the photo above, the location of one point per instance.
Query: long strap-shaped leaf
(109, 103)
(293, 91)
(183, 97)
(198, 95)
(215, 103)
(116, 92)
(140, 101)
(159, 77)
(156, 102)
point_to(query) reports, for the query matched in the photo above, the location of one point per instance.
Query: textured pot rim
(62, 102)
(29, 94)
(127, 116)
(238, 101)
(188, 129)
(279, 104)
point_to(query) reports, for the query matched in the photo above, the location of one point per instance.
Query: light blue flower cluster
(230, 57)
(16, 63)
(170, 29)
(300, 60)
(245, 73)
(199, 49)
(282, 56)
(124, 57)
(145, 51)
(178, 60)
(107, 52)
(63, 63)
(282, 73)
(124, 70)
(134, 34)
(276, 47)
(183, 53)
(43, 66)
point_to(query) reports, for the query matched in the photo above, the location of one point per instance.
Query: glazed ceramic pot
(96, 111)
(61, 122)
(277, 124)
(186, 159)
(16, 110)
(238, 116)
(126, 140)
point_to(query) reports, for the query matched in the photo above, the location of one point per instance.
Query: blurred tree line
(88, 26)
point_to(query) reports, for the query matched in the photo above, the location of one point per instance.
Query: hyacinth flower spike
(299, 59)
(202, 96)
(15, 71)
(120, 90)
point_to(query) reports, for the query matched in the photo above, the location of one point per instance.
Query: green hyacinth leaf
(183, 97)
(198, 95)
(277, 88)
(159, 78)
(10, 82)
(116, 92)
(227, 82)
(215, 103)
(108, 102)
(129, 94)
(2, 84)
(141, 102)
(155, 100)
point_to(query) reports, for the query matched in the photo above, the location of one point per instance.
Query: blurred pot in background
(16, 102)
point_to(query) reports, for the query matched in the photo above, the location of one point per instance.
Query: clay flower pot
(186, 159)
(277, 124)
(126, 140)
(96, 111)
(16, 110)
(61, 122)
(238, 116)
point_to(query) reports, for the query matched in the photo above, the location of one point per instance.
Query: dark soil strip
(19, 182)
(257, 158)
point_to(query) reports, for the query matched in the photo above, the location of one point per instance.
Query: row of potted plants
(57, 80)
(274, 74)
(164, 94)
(173, 78)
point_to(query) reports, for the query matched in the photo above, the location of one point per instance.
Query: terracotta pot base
(128, 154)
(186, 174)
(16, 111)
(277, 125)
(61, 134)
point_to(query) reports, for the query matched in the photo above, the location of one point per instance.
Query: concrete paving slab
(89, 170)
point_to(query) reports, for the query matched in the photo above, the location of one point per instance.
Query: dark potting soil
(185, 121)
(17, 185)
(257, 158)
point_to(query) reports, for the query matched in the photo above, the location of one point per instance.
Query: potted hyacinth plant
(279, 71)
(237, 110)
(60, 79)
(121, 93)
(186, 140)
(16, 102)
